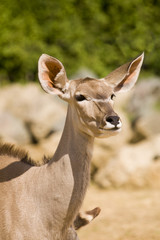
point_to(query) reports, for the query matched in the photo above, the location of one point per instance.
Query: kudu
(41, 203)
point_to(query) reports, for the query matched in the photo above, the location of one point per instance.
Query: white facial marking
(67, 85)
(100, 100)
(119, 125)
(112, 126)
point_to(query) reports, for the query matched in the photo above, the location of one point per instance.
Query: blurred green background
(97, 34)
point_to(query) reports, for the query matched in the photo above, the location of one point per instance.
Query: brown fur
(11, 150)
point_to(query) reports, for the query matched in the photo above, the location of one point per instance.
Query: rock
(40, 112)
(144, 109)
(105, 148)
(46, 147)
(146, 96)
(13, 129)
(149, 125)
(50, 144)
(101, 155)
(131, 166)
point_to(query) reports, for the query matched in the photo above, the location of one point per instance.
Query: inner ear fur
(52, 75)
(124, 77)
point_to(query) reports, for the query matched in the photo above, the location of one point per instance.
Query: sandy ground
(125, 215)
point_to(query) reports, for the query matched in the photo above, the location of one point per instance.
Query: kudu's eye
(80, 98)
(113, 96)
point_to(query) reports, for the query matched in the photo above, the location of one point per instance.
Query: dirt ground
(125, 215)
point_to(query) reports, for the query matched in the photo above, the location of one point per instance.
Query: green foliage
(99, 34)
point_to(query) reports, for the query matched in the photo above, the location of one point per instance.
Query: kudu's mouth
(112, 127)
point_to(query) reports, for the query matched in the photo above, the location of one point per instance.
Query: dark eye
(113, 96)
(80, 98)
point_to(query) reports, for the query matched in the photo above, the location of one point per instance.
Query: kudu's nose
(114, 120)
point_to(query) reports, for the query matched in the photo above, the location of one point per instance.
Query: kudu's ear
(123, 78)
(52, 76)
(83, 219)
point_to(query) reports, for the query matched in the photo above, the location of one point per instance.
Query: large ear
(83, 219)
(123, 78)
(52, 75)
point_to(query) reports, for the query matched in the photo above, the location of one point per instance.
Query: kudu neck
(70, 166)
(73, 142)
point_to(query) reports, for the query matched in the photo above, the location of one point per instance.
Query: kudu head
(91, 100)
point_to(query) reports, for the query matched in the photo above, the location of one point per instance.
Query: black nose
(114, 120)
